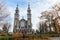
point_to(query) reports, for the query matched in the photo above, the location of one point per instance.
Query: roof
(22, 20)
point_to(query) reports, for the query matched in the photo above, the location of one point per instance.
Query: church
(22, 25)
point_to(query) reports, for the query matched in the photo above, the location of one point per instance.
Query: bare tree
(48, 17)
(4, 13)
(6, 27)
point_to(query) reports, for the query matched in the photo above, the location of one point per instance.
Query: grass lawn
(10, 37)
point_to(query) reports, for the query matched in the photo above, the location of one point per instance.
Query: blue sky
(37, 6)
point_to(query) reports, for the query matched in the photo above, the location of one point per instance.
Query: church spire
(16, 21)
(29, 16)
(29, 8)
(17, 9)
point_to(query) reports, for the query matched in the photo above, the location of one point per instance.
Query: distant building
(22, 25)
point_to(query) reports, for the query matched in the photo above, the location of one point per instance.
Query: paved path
(55, 38)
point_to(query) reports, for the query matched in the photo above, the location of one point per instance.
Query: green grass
(6, 37)
(43, 35)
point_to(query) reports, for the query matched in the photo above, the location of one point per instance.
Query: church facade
(22, 25)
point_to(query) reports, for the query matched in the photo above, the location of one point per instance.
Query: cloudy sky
(37, 6)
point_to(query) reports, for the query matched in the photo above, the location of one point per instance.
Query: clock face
(22, 23)
(16, 16)
(29, 16)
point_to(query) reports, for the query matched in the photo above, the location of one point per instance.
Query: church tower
(29, 17)
(16, 21)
